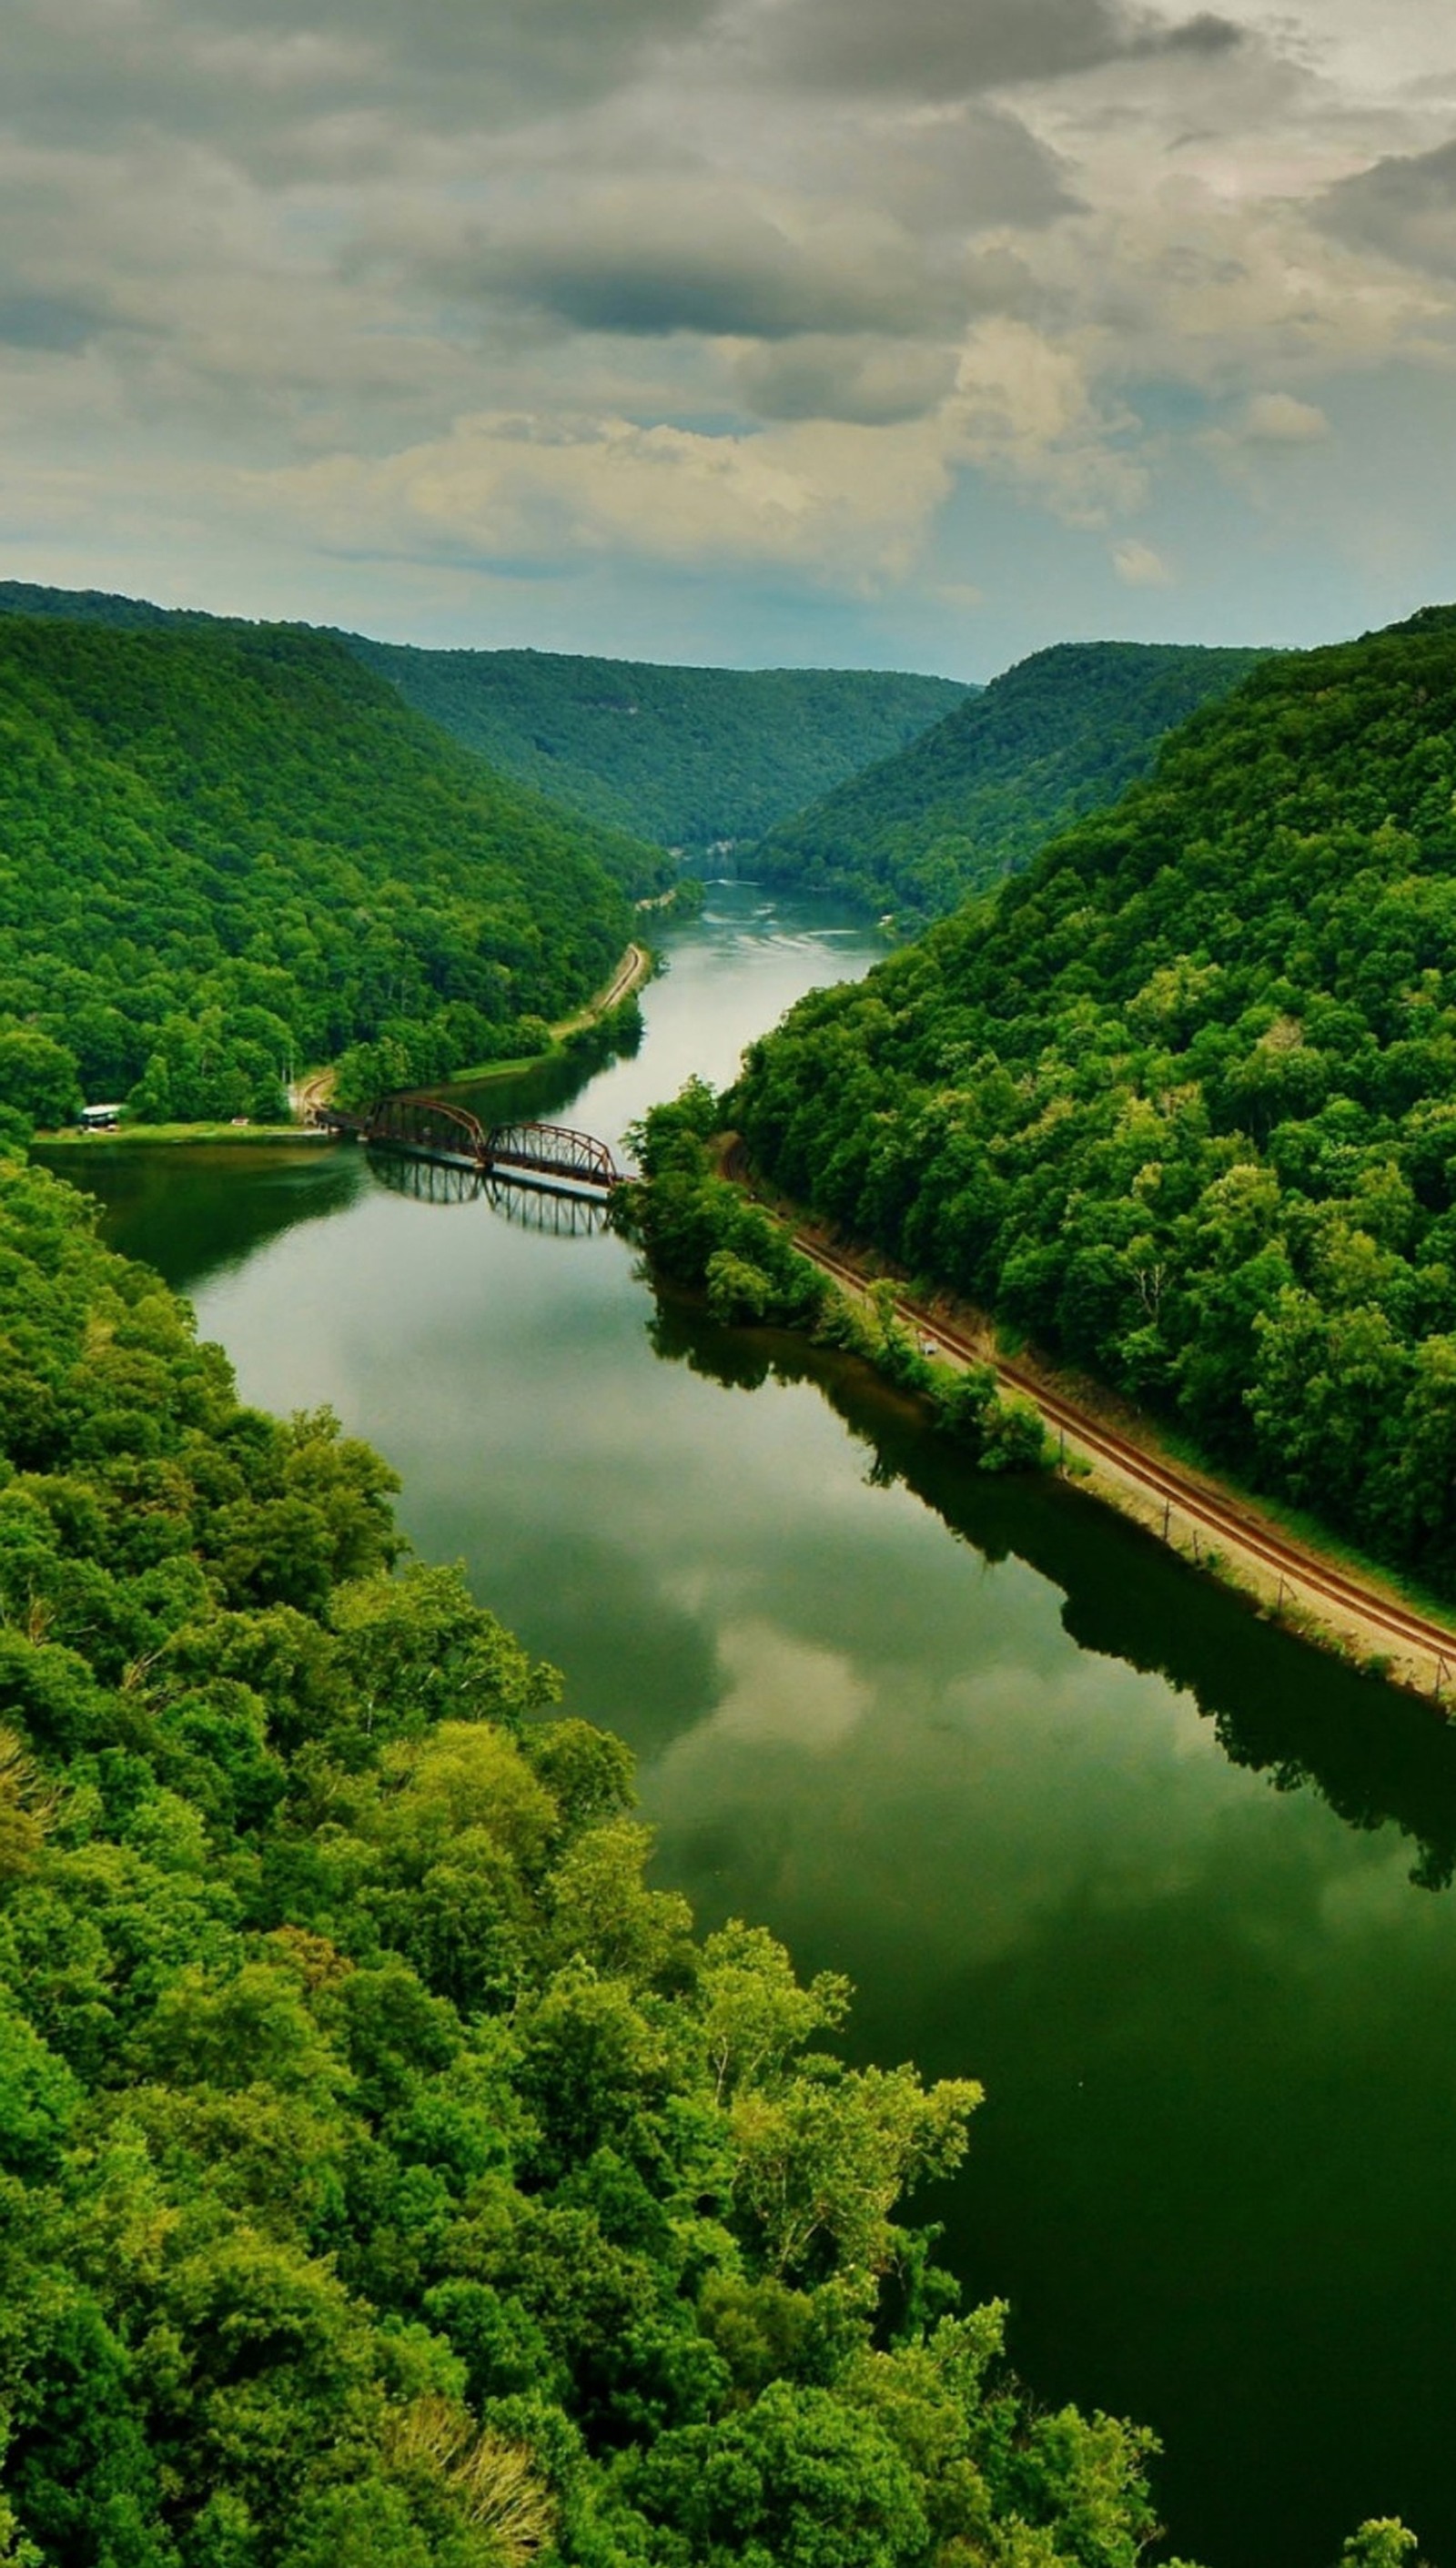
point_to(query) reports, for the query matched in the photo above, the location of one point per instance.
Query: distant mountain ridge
(971, 801)
(692, 757)
(695, 758)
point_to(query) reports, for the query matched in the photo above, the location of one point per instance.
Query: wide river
(1074, 1822)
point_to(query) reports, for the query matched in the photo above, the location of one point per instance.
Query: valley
(1070, 1817)
(897, 1685)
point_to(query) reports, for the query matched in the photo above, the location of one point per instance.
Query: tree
(823, 2157)
(756, 2015)
(797, 2478)
(39, 1081)
(1379, 2544)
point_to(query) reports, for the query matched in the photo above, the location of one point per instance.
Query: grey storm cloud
(953, 48)
(956, 172)
(261, 81)
(1204, 34)
(667, 257)
(54, 324)
(867, 236)
(873, 382)
(1403, 207)
(269, 81)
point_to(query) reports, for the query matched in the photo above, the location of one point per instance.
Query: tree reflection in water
(1285, 1711)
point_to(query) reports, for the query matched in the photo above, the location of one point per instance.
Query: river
(1073, 1820)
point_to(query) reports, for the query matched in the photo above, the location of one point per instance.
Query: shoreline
(1326, 1594)
(633, 968)
(179, 1137)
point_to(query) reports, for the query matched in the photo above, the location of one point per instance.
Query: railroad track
(632, 969)
(1297, 1568)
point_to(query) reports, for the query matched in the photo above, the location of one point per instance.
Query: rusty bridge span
(430, 1127)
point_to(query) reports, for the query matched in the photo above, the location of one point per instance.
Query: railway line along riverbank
(1338, 1604)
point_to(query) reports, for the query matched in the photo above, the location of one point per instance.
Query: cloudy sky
(918, 332)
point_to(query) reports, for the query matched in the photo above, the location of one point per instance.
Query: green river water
(1074, 1822)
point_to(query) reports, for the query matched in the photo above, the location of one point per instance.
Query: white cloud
(1024, 410)
(1138, 567)
(1262, 445)
(1278, 418)
(845, 505)
(780, 1692)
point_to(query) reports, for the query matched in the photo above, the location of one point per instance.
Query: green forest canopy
(691, 756)
(1061, 734)
(686, 757)
(390, 2177)
(228, 847)
(1180, 1100)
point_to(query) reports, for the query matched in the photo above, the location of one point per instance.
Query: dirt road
(308, 1095)
(630, 971)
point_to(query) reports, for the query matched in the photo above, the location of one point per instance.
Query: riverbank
(315, 1089)
(178, 1136)
(1325, 1594)
(634, 967)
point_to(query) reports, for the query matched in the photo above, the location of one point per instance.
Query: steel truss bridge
(530, 1155)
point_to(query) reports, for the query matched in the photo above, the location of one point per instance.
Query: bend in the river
(1074, 1819)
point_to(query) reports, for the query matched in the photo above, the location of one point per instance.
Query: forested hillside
(685, 756)
(1061, 734)
(93, 606)
(1180, 1100)
(690, 757)
(391, 2178)
(225, 850)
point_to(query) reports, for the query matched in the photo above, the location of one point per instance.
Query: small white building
(100, 1119)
